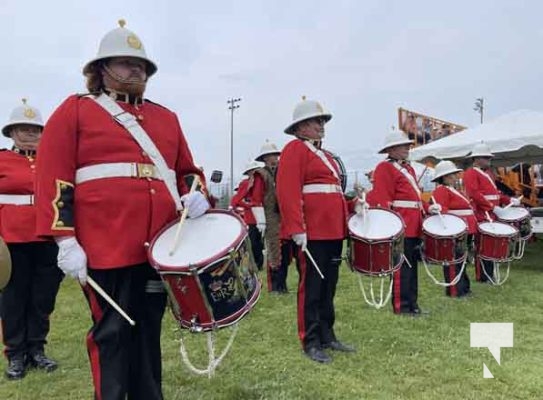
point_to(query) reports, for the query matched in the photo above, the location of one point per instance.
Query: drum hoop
(456, 236)
(376, 241)
(455, 261)
(189, 268)
(503, 235)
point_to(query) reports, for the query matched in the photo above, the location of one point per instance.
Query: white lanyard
(409, 177)
(485, 175)
(130, 123)
(321, 155)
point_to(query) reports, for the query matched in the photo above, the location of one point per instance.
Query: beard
(134, 84)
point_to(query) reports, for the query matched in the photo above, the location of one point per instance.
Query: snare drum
(376, 241)
(519, 218)
(211, 277)
(444, 239)
(496, 241)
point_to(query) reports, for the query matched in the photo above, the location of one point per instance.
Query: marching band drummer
(480, 187)
(395, 186)
(29, 297)
(452, 201)
(314, 214)
(242, 201)
(110, 170)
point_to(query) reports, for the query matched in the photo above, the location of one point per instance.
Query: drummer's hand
(301, 240)
(71, 258)
(498, 211)
(361, 206)
(434, 208)
(196, 203)
(515, 202)
(261, 226)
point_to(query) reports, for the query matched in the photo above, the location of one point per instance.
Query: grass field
(398, 357)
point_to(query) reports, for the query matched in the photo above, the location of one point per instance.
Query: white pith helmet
(480, 150)
(120, 42)
(24, 114)
(252, 165)
(267, 149)
(394, 138)
(445, 168)
(304, 110)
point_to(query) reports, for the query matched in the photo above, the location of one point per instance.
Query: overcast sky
(360, 59)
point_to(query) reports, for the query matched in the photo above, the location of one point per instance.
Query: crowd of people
(110, 158)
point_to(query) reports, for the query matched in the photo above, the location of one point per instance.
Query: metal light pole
(232, 105)
(480, 106)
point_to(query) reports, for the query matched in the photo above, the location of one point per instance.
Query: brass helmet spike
(122, 23)
(304, 98)
(24, 100)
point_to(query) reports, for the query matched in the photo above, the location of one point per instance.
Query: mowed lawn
(398, 357)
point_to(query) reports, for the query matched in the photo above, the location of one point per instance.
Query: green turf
(398, 357)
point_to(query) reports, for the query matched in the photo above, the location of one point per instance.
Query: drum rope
(520, 252)
(213, 362)
(497, 281)
(374, 303)
(438, 282)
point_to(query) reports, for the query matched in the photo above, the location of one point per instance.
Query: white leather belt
(116, 170)
(492, 196)
(461, 213)
(321, 188)
(406, 204)
(17, 199)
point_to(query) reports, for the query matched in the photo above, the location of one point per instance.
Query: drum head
(445, 225)
(497, 229)
(201, 239)
(376, 224)
(513, 214)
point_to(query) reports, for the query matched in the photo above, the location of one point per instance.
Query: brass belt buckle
(146, 171)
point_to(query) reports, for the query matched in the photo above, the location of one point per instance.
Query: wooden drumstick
(306, 251)
(439, 213)
(195, 182)
(488, 217)
(510, 204)
(106, 297)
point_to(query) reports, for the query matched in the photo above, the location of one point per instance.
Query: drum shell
(496, 247)
(441, 248)
(376, 256)
(216, 292)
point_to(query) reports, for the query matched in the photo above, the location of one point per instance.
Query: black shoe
(418, 312)
(16, 368)
(318, 355)
(39, 360)
(338, 346)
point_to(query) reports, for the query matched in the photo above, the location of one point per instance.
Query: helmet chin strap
(120, 79)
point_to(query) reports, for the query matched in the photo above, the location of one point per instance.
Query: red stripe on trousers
(452, 276)
(269, 276)
(396, 284)
(477, 268)
(301, 295)
(94, 353)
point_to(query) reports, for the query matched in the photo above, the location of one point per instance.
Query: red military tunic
(391, 185)
(454, 202)
(242, 200)
(483, 192)
(17, 222)
(323, 216)
(113, 218)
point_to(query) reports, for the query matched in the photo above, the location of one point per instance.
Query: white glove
(498, 211)
(515, 202)
(260, 217)
(361, 206)
(196, 203)
(301, 240)
(71, 258)
(434, 208)
(261, 227)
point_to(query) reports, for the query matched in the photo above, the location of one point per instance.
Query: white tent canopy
(513, 138)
